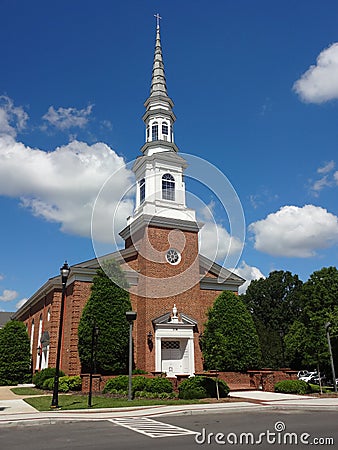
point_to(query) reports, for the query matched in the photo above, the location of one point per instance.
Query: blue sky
(255, 86)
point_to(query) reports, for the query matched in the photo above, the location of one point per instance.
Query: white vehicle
(309, 377)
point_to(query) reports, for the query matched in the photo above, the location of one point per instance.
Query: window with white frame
(168, 187)
(154, 131)
(142, 184)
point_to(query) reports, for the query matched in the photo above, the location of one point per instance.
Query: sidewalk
(15, 411)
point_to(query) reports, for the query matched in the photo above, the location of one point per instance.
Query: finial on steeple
(158, 18)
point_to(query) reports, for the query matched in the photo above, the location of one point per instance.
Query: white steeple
(159, 117)
(159, 171)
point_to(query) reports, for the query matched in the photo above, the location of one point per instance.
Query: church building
(172, 286)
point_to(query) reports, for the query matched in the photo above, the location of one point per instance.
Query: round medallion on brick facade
(173, 256)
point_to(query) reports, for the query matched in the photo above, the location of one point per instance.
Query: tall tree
(15, 361)
(230, 341)
(274, 303)
(106, 308)
(306, 342)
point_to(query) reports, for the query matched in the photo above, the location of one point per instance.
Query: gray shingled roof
(5, 317)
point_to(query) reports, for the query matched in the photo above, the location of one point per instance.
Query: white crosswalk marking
(150, 427)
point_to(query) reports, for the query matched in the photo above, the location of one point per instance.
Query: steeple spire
(158, 81)
(159, 117)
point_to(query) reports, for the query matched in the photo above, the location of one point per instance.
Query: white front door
(174, 356)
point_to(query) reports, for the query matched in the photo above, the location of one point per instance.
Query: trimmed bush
(48, 384)
(230, 340)
(70, 384)
(15, 363)
(142, 384)
(202, 387)
(66, 383)
(118, 383)
(293, 387)
(159, 385)
(40, 377)
(107, 308)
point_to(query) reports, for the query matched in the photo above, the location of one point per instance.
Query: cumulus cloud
(249, 273)
(21, 303)
(295, 232)
(8, 295)
(216, 243)
(65, 118)
(12, 118)
(62, 185)
(319, 83)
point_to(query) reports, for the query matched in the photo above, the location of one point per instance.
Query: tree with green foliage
(15, 359)
(106, 308)
(230, 341)
(275, 304)
(306, 343)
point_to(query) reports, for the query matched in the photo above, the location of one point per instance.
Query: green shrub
(73, 383)
(202, 387)
(117, 383)
(40, 377)
(159, 385)
(293, 387)
(66, 384)
(139, 384)
(15, 363)
(48, 384)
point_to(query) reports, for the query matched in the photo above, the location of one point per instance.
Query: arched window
(32, 336)
(154, 132)
(165, 131)
(168, 187)
(142, 184)
(39, 350)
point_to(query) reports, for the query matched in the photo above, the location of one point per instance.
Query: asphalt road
(263, 429)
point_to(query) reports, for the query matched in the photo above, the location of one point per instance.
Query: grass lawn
(67, 402)
(27, 391)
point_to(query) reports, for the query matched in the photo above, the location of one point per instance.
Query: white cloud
(320, 82)
(65, 118)
(2, 276)
(12, 118)
(21, 303)
(8, 295)
(318, 185)
(62, 185)
(295, 232)
(249, 273)
(327, 167)
(216, 243)
(327, 180)
(335, 176)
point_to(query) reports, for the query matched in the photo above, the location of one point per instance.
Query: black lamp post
(327, 329)
(65, 269)
(131, 316)
(95, 333)
(281, 335)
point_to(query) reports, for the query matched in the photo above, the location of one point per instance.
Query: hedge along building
(171, 284)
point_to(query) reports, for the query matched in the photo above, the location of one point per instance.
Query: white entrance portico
(174, 344)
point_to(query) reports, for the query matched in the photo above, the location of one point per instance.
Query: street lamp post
(95, 333)
(281, 335)
(64, 270)
(131, 316)
(327, 328)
